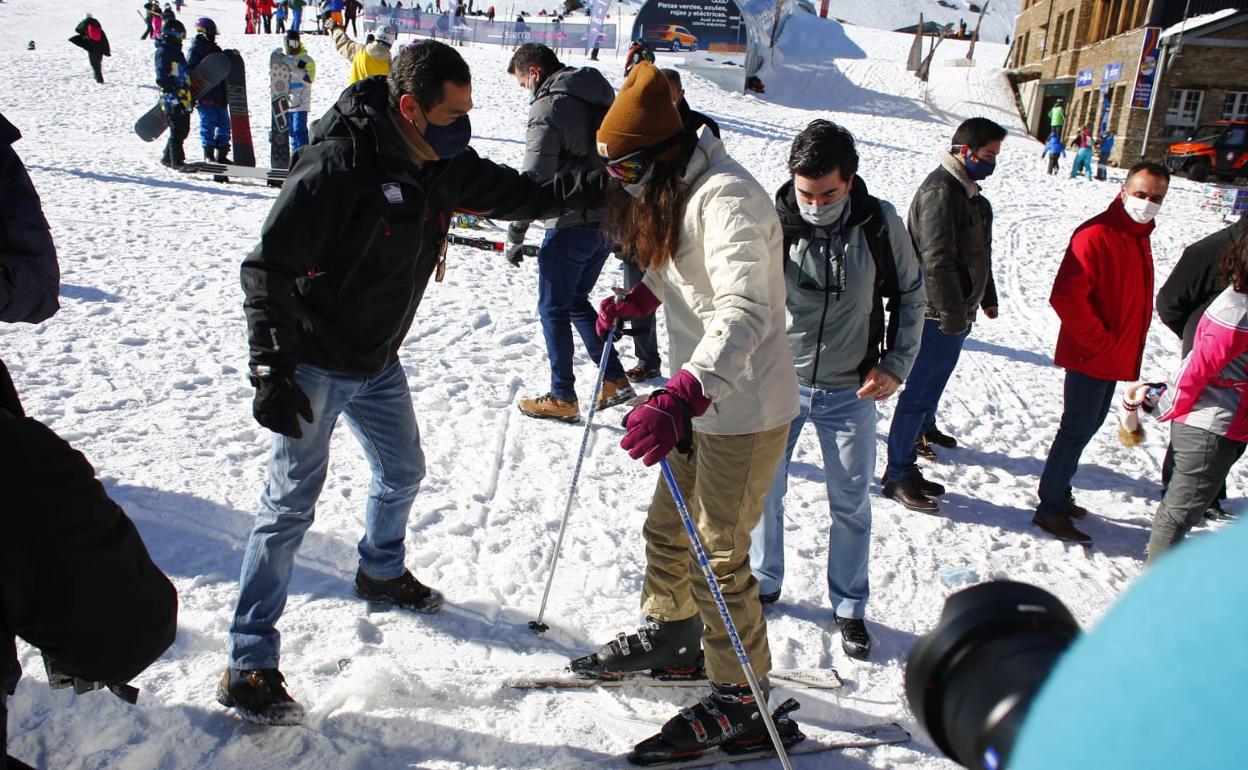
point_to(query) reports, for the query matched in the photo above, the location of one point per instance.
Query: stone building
(1116, 63)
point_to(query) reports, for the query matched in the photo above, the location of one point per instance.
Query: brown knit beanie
(641, 116)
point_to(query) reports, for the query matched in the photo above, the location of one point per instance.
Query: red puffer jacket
(1103, 294)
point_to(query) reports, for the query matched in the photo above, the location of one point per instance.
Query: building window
(1236, 106)
(1057, 36)
(1070, 23)
(1182, 113)
(1120, 95)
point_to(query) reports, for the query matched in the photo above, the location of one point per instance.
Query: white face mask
(823, 216)
(1141, 210)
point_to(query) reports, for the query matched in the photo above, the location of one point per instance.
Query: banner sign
(479, 29)
(1142, 96)
(1084, 78)
(691, 25)
(1111, 72)
(597, 17)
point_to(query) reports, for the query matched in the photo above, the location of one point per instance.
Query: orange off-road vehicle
(1218, 149)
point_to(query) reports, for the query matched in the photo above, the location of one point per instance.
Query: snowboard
(812, 678)
(210, 72)
(279, 133)
(798, 740)
(240, 116)
(274, 176)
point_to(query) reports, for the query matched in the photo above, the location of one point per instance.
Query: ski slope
(144, 371)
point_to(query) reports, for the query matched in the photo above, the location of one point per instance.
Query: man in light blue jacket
(855, 302)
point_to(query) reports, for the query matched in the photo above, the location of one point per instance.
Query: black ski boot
(259, 696)
(670, 649)
(222, 152)
(728, 718)
(214, 155)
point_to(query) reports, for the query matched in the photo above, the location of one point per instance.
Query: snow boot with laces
(404, 591)
(672, 649)
(259, 696)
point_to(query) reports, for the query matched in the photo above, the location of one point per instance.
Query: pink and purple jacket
(1210, 390)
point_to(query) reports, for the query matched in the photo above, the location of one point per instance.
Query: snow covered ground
(143, 370)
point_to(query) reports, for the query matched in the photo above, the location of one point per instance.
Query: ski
(809, 678)
(279, 136)
(486, 245)
(806, 740)
(273, 176)
(211, 71)
(240, 115)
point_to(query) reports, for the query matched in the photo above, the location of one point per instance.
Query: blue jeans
(214, 125)
(938, 355)
(845, 425)
(1083, 162)
(379, 412)
(297, 126)
(568, 265)
(296, 18)
(1086, 402)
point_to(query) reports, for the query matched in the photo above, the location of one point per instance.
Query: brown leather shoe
(910, 495)
(1075, 510)
(929, 488)
(1061, 528)
(923, 449)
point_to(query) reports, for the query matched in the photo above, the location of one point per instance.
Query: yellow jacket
(366, 60)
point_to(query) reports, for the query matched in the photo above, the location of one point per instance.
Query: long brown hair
(1235, 263)
(648, 227)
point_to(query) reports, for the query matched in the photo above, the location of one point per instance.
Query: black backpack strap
(886, 284)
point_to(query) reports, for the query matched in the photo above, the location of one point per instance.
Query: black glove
(279, 404)
(301, 64)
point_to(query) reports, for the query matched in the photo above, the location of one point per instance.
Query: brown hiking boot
(923, 449)
(548, 407)
(615, 392)
(1061, 528)
(259, 696)
(642, 372)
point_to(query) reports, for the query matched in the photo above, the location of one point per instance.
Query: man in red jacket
(1103, 295)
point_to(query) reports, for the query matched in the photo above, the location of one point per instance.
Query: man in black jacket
(951, 225)
(343, 261)
(30, 277)
(1193, 284)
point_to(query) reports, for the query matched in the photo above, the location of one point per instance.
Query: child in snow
(1053, 149)
(175, 90)
(302, 75)
(214, 116)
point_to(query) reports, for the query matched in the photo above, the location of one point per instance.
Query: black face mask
(449, 140)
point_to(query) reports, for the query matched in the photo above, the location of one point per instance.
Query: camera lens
(971, 680)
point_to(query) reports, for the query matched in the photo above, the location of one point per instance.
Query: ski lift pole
(538, 626)
(712, 583)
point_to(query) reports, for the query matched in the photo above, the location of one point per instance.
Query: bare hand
(879, 385)
(991, 312)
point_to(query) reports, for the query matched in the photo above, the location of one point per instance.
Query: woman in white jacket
(708, 237)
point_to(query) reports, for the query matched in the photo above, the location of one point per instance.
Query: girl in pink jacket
(1208, 408)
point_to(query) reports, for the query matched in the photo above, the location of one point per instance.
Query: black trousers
(97, 65)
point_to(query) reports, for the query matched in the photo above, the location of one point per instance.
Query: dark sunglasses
(632, 168)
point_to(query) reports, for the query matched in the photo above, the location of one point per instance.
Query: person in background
(1194, 283)
(566, 106)
(151, 12)
(1053, 150)
(352, 9)
(302, 76)
(214, 115)
(279, 15)
(367, 59)
(1057, 116)
(692, 121)
(1104, 148)
(1103, 294)
(89, 35)
(1207, 406)
(173, 79)
(850, 275)
(1083, 156)
(265, 9)
(296, 14)
(950, 222)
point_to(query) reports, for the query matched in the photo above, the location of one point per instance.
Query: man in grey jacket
(951, 226)
(567, 106)
(850, 275)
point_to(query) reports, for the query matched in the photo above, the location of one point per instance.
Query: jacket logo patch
(602, 149)
(393, 192)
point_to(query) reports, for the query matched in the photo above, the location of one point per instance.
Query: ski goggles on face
(632, 168)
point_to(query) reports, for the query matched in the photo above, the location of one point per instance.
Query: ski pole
(713, 584)
(538, 626)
